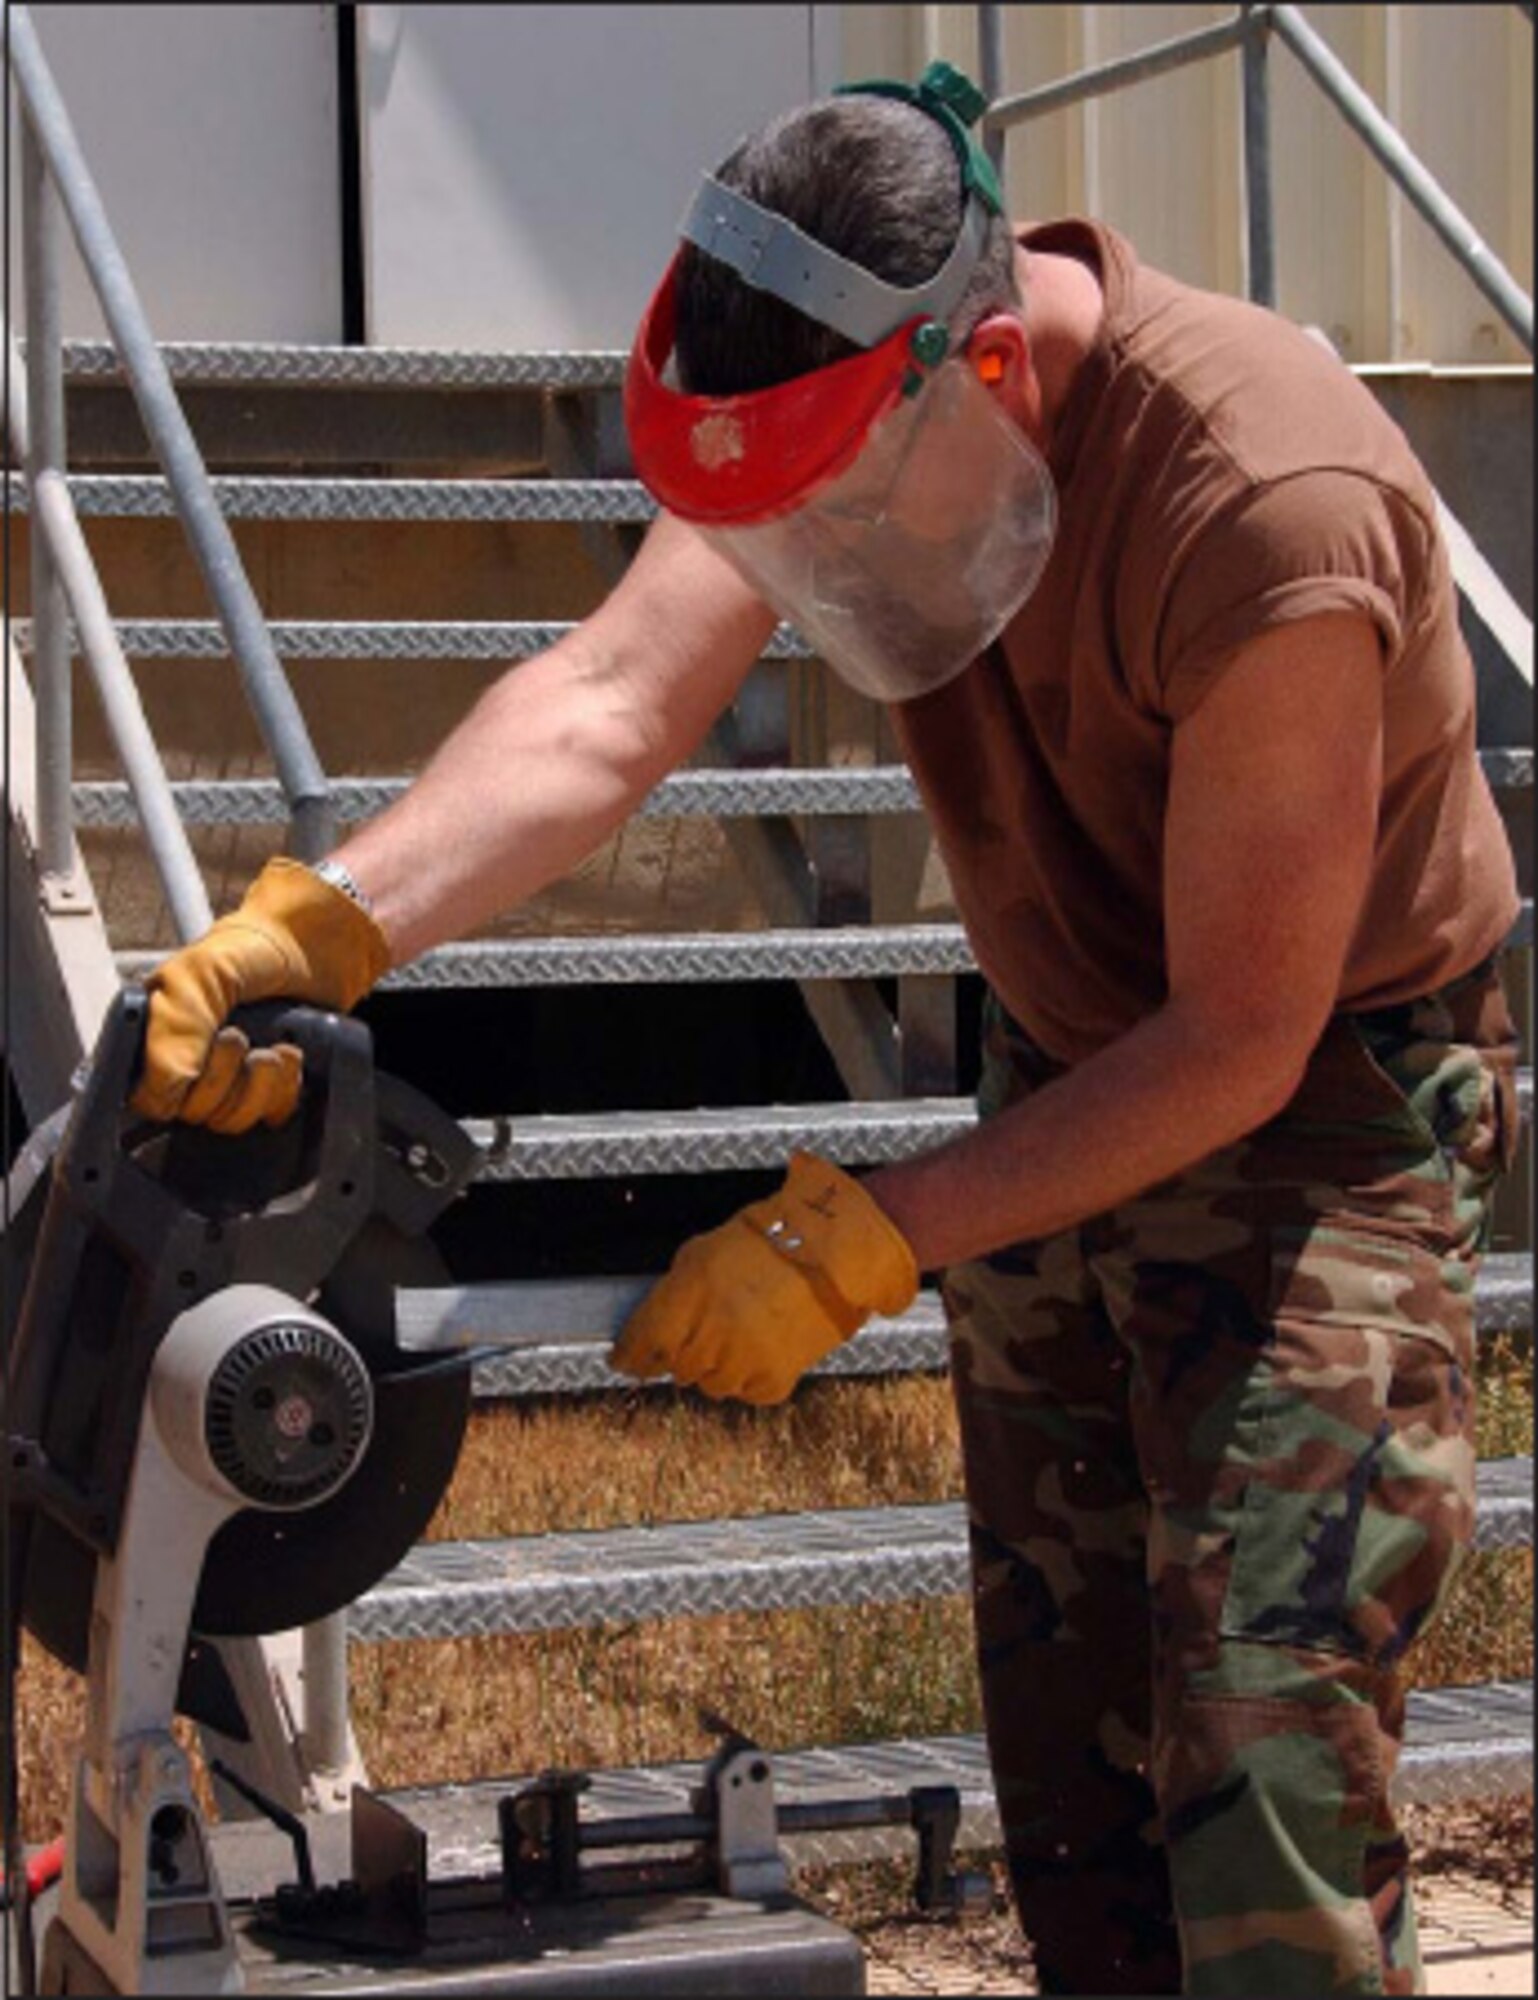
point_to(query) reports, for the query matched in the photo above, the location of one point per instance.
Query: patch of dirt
(1488, 1841)
(1479, 1852)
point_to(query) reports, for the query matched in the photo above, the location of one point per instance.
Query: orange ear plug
(990, 368)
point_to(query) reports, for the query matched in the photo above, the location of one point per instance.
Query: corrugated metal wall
(1161, 160)
(561, 142)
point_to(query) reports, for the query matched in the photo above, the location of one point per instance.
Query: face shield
(903, 569)
(885, 505)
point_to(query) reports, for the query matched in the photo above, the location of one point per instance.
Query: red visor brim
(739, 459)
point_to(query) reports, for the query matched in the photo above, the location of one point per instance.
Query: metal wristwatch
(341, 877)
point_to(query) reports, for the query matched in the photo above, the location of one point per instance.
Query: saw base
(643, 1941)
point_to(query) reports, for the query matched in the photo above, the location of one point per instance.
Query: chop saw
(215, 1432)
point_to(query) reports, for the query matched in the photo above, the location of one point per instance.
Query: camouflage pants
(1220, 1473)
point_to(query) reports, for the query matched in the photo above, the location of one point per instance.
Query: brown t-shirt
(1219, 473)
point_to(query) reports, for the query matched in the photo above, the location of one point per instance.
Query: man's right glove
(295, 937)
(746, 1309)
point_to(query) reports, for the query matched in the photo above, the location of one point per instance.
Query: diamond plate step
(1505, 1516)
(856, 952)
(259, 363)
(767, 1562)
(778, 1562)
(556, 1332)
(733, 1138)
(374, 639)
(865, 952)
(726, 1140)
(564, 1329)
(1460, 1742)
(137, 496)
(718, 794)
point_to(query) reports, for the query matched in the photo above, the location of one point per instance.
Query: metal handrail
(1249, 31)
(1423, 190)
(70, 564)
(59, 178)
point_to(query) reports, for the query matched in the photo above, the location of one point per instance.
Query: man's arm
(1269, 837)
(548, 763)
(561, 749)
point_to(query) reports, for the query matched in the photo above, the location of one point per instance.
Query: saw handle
(312, 1030)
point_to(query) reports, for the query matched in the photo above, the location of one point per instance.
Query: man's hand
(746, 1309)
(295, 937)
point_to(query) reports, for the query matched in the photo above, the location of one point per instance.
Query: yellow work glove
(295, 937)
(746, 1309)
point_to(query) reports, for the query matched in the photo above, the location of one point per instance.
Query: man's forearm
(1165, 1095)
(561, 750)
(540, 772)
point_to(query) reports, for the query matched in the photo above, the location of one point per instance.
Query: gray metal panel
(1461, 1743)
(212, 134)
(525, 166)
(772, 1562)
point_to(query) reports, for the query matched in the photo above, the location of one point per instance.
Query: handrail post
(42, 246)
(990, 63)
(1259, 208)
(1388, 146)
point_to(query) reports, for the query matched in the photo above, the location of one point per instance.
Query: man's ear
(999, 353)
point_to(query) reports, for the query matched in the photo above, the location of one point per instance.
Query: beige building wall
(1162, 160)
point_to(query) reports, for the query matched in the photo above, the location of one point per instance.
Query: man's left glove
(746, 1309)
(294, 937)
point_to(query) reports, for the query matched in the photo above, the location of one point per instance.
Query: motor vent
(287, 1414)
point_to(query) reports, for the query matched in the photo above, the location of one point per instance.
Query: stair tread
(833, 952)
(297, 363)
(556, 1332)
(762, 1562)
(792, 789)
(1458, 1738)
(259, 497)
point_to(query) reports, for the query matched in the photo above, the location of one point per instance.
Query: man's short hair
(876, 180)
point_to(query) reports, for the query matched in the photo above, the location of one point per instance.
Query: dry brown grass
(439, 1711)
(548, 1466)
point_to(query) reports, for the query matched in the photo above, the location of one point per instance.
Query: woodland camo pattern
(1220, 1463)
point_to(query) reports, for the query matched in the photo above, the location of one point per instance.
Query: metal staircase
(880, 982)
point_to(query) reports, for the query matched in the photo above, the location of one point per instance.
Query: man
(1158, 599)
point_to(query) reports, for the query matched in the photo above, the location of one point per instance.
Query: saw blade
(265, 1572)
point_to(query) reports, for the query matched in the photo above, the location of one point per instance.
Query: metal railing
(57, 185)
(1249, 30)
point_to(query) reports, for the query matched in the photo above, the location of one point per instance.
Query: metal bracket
(744, 1844)
(66, 895)
(935, 1812)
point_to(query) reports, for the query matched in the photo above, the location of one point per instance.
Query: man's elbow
(1257, 1056)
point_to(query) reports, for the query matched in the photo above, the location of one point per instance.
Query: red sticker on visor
(721, 459)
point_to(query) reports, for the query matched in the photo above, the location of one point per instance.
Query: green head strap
(772, 255)
(955, 103)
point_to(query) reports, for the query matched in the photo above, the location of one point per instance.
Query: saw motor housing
(214, 1433)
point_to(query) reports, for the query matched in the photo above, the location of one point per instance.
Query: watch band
(342, 877)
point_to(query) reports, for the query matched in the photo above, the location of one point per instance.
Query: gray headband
(772, 255)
